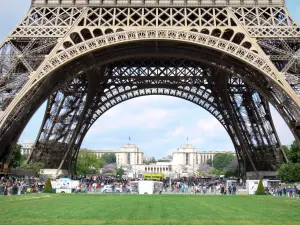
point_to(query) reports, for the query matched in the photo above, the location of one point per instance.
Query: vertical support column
(60, 118)
(223, 93)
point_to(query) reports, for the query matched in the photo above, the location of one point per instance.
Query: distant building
(147, 159)
(26, 148)
(169, 157)
(186, 161)
(98, 153)
(129, 154)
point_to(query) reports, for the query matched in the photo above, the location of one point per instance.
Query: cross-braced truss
(127, 79)
(53, 52)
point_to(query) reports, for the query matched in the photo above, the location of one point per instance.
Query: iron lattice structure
(231, 57)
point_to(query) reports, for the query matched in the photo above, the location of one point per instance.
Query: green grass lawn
(64, 209)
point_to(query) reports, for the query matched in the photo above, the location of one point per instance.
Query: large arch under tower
(231, 58)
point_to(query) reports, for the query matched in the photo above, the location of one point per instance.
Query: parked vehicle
(108, 189)
(64, 185)
(146, 187)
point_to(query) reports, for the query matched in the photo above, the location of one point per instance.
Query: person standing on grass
(230, 190)
(19, 188)
(234, 190)
(175, 189)
(222, 190)
(294, 192)
(113, 188)
(284, 191)
(195, 188)
(280, 190)
(182, 188)
(289, 193)
(204, 189)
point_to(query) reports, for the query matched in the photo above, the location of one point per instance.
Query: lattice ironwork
(186, 79)
(233, 59)
(285, 54)
(161, 3)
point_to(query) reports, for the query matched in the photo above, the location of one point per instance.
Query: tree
(146, 162)
(15, 161)
(120, 172)
(217, 172)
(293, 153)
(232, 168)
(289, 172)
(36, 167)
(152, 160)
(23, 160)
(109, 158)
(48, 187)
(87, 163)
(209, 162)
(221, 160)
(163, 160)
(204, 168)
(260, 189)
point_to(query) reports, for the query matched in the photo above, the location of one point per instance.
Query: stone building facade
(129, 154)
(186, 161)
(26, 148)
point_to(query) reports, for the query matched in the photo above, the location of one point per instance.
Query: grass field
(147, 209)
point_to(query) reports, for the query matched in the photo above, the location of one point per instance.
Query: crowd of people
(284, 190)
(13, 185)
(182, 185)
(10, 185)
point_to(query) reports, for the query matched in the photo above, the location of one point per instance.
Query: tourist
(234, 190)
(222, 190)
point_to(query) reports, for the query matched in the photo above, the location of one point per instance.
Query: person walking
(113, 188)
(222, 190)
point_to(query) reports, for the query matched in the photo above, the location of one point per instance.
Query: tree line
(87, 162)
(290, 172)
(222, 164)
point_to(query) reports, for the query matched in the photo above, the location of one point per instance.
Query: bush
(289, 172)
(260, 189)
(48, 187)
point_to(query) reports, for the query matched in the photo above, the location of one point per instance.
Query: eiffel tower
(231, 57)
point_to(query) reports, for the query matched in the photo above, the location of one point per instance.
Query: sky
(158, 125)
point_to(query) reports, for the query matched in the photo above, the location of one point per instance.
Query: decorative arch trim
(57, 60)
(192, 95)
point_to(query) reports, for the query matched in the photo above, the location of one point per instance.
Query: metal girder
(285, 54)
(160, 3)
(63, 113)
(255, 43)
(253, 135)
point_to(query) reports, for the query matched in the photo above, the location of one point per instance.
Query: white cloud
(283, 131)
(150, 118)
(171, 151)
(199, 140)
(179, 131)
(209, 126)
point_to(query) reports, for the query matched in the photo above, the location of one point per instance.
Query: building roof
(186, 148)
(129, 148)
(155, 3)
(98, 151)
